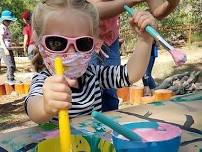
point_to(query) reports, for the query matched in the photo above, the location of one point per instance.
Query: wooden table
(18, 51)
(187, 115)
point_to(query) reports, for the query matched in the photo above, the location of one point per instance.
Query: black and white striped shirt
(87, 97)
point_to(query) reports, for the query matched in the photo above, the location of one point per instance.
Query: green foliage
(187, 13)
(177, 23)
(17, 7)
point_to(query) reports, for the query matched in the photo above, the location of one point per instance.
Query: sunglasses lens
(55, 43)
(85, 44)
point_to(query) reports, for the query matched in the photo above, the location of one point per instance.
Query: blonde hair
(45, 7)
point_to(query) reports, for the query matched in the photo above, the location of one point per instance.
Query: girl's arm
(139, 60)
(35, 110)
(111, 8)
(161, 8)
(47, 98)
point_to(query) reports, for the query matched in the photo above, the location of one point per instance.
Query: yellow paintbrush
(64, 124)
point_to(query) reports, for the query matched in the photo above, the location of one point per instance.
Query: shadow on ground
(15, 107)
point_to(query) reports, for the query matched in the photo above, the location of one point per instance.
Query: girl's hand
(140, 20)
(57, 95)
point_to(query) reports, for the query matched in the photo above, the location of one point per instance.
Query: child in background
(5, 44)
(28, 44)
(73, 39)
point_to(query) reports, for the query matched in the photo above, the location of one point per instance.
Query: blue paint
(116, 126)
(122, 145)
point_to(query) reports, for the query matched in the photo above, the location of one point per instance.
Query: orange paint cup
(135, 94)
(123, 93)
(2, 89)
(163, 94)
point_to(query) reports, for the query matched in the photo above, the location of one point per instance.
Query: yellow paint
(105, 146)
(64, 124)
(80, 144)
(50, 145)
(53, 145)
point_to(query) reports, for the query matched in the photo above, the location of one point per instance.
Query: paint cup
(162, 94)
(135, 94)
(124, 93)
(79, 143)
(155, 138)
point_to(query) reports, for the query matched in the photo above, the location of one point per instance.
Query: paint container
(80, 143)
(163, 138)
(124, 94)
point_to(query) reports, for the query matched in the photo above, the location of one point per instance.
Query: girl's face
(67, 34)
(70, 24)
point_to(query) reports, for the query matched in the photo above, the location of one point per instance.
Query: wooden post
(189, 35)
(147, 99)
(9, 88)
(2, 89)
(26, 88)
(19, 88)
(135, 94)
(163, 94)
(124, 94)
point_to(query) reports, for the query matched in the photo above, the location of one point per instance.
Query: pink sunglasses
(60, 44)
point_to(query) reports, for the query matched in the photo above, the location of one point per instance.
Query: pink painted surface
(162, 133)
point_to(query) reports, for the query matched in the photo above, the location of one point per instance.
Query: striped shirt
(87, 97)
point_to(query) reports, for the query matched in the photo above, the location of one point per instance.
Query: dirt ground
(13, 116)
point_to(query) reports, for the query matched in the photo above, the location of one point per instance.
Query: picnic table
(185, 114)
(18, 51)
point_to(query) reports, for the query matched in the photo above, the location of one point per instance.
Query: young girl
(68, 28)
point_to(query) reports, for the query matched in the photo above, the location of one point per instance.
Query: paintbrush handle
(126, 132)
(64, 124)
(151, 31)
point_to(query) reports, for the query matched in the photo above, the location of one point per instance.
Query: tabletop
(184, 114)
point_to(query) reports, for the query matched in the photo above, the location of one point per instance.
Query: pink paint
(178, 56)
(162, 133)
